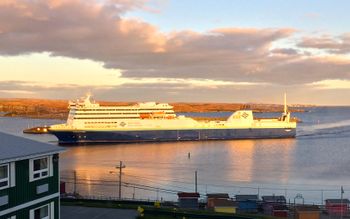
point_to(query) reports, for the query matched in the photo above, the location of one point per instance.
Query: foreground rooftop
(14, 148)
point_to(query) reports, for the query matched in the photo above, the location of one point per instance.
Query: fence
(153, 188)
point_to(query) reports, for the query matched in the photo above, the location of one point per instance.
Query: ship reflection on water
(263, 160)
(315, 164)
(158, 170)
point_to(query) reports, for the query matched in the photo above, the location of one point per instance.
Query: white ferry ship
(89, 122)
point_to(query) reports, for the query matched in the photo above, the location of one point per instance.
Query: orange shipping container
(307, 212)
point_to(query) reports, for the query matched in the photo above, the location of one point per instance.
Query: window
(43, 212)
(40, 168)
(4, 176)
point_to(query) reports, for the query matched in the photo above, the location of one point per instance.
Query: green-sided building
(29, 178)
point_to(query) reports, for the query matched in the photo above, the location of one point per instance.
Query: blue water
(315, 164)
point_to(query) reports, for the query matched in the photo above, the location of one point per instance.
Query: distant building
(215, 196)
(224, 206)
(277, 199)
(188, 199)
(307, 212)
(337, 206)
(275, 205)
(247, 203)
(221, 202)
(29, 178)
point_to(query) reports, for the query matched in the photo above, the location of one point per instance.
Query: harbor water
(315, 164)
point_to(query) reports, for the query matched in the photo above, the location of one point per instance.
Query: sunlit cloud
(331, 84)
(331, 44)
(64, 46)
(17, 92)
(191, 82)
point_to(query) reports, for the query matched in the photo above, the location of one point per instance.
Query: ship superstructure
(89, 122)
(86, 114)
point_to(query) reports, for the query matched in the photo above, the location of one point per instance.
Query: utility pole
(75, 182)
(285, 193)
(195, 181)
(341, 202)
(120, 167)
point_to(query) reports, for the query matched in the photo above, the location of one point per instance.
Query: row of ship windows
(100, 122)
(107, 117)
(79, 113)
(122, 109)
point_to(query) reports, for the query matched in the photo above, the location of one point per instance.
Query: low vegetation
(57, 109)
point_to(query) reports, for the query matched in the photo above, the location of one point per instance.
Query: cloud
(161, 89)
(148, 58)
(96, 31)
(169, 83)
(304, 70)
(284, 51)
(331, 44)
(80, 29)
(17, 92)
(221, 54)
(175, 92)
(331, 84)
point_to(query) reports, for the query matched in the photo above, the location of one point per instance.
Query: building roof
(218, 195)
(18, 148)
(246, 197)
(188, 195)
(274, 198)
(307, 208)
(279, 207)
(338, 201)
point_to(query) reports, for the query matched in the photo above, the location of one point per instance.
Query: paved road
(73, 212)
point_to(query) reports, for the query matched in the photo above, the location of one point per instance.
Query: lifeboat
(153, 115)
(145, 116)
(158, 114)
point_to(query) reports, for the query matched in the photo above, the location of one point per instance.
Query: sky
(176, 50)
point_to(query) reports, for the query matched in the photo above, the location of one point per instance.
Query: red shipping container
(280, 213)
(337, 206)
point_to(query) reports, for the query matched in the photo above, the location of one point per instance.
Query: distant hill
(57, 109)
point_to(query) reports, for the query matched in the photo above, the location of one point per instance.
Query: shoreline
(58, 109)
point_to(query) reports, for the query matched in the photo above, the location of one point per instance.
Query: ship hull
(84, 136)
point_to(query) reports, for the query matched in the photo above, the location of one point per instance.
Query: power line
(156, 181)
(138, 186)
(225, 186)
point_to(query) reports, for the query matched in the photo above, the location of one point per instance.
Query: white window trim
(50, 173)
(49, 214)
(28, 204)
(52, 210)
(6, 179)
(49, 168)
(13, 174)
